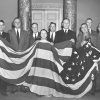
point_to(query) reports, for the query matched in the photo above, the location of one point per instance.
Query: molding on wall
(47, 6)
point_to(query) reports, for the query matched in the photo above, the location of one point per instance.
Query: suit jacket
(92, 36)
(5, 36)
(23, 40)
(49, 38)
(61, 36)
(32, 39)
(98, 41)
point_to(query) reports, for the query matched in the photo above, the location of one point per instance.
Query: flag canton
(80, 63)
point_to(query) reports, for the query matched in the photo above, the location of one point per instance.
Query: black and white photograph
(49, 49)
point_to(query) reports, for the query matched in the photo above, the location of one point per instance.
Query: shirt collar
(51, 32)
(1, 33)
(65, 30)
(35, 33)
(17, 29)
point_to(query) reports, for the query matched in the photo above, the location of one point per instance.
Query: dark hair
(50, 25)
(89, 19)
(13, 25)
(34, 23)
(44, 30)
(81, 27)
(2, 21)
(97, 30)
(63, 21)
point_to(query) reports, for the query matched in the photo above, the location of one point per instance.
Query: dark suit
(23, 40)
(51, 39)
(33, 39)
(61, 36)
(5, 36)
(3, 84)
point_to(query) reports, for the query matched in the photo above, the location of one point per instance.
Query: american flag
(44, 70)
(80, 63)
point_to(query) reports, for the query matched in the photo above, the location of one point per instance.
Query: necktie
(52, 36)
(66, 31)
(18, 36)
(35, 36)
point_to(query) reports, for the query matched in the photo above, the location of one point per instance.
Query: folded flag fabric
(41, 69)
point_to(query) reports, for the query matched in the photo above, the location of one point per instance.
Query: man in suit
(4, 35)
(19, 38)
(65, 34)
(34, 34)
(93, 36)
(92, 33)
(52, 32)
(19, 41)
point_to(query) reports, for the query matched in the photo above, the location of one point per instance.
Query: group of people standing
(20, 40)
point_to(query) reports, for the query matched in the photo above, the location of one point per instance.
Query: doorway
(44, 16)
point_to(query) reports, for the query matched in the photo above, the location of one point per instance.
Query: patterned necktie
(18, 36)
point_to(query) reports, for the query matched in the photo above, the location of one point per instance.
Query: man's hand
(72, 40)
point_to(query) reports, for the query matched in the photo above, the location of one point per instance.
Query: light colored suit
(23, 40)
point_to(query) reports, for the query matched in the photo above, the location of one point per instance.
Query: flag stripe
(42, 81)
(40, 68)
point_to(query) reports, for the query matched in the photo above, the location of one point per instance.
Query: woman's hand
(83, 42)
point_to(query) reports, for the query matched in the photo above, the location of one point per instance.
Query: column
(70, 11)
(24, 12)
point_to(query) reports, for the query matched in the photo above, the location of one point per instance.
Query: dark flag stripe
(44, 69)
(47, 64)
(12, 66)
(39, 81)
(16, 81)
(13, 55)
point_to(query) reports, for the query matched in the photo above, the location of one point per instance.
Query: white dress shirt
(1, 33)
(89, 30)
(65, 30)
(52, 33)
(18, 31)
(35, 35)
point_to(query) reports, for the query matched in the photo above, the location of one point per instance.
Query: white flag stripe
(46, 73)
(15, 60)
(18, 73)
(64, 52)
(47, 55)
(42, 90)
